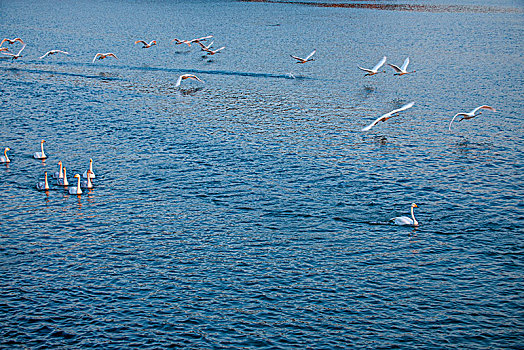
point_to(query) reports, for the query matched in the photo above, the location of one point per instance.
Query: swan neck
(415, 222)
(42, 148)
(78, 186)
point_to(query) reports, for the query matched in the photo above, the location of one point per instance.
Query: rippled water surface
(250, 211)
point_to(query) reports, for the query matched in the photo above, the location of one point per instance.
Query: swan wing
(367, 128)
(47, 53)
(179, 80)
(405, 64)
(396, 68)
(310, 55)
(366, 70)
(22, 49)
(379, 64)
(297, 58)
(140, 41)
(403, 108)
(402, 220)
(96, 56)
(111, 55)
(453, 119)
(483, 107)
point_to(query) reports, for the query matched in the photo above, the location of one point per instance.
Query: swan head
(77, 176)
(7, 149)
(153, 42)
(60, 162)
(413, 205)
(42, 141)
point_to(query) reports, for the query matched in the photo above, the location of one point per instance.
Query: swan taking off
(304, 60)
(52, 52)
(60, 173)
(471, 114)
(92, 173)
(146, 45)
(388, 115)
(101, 56)
(402, 70)
(87, 183)
(41, 154)
(76, 189)
(62, 181)
(404, 220)
(43, 186)
(186, 76)
(375, 69)
(5, 158)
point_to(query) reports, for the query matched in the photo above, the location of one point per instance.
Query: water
(250, 211)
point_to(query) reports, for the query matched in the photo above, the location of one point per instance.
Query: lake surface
(251, 211)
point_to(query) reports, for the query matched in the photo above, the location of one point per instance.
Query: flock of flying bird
(89, 174)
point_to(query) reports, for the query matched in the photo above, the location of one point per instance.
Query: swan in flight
(13, 56)
(5, 158)
(471, 114)
(11, 41)
(87, 183)
(43, 186)
(76, 189)
(402, 70)
(101, 56)
(186, 76)
(212, 52)
(146, 45)
(205, 47)
(404, 220)
(52, 52)
(62, 181)
(388, 115)
(189, 42)
(90, 170)
(375, 69)
(304, 60)
(41, 154)
(59, 174)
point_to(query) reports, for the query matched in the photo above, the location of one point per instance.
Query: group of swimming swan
(61, 175)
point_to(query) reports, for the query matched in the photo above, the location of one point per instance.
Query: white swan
(13, 56)
(52, 52)
(388, 115)
(62, 181)
(5, 158)
(374, 70)
(470, 114)
(304, 60)
(101, 56)
(404, 220)
(43, 186)
(41, 154)
(92, 173)
(76, 189)
(59, 174)
(87, 183)
(402, 70)
(187, 76)
(145, 45)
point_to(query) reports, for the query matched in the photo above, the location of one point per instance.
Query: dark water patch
(403, 7)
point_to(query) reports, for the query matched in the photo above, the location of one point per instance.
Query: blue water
(250, 211)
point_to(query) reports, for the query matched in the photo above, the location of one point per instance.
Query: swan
(402, 70)
(12, 41)
(87, 183)
(212, 52)
(52, 52)
(40, 155)
(304, 60)
(146, 45)
(76, 189)
(13, 56)
(92, 173)
(101, 56)
(205, 47)
(59, 174)
(404, 220)
(43, 186)
(5, 158)
(388, 115)
(374, 70)
(62, 181)
(470, 114)
(186, 76)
